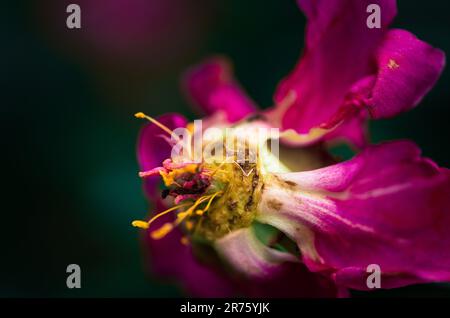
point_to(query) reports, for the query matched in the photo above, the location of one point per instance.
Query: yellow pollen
(169, 178)
(190, 127)
(392, 64)
(139, 115)
(140, 224)
(189, 225)
(184, 240)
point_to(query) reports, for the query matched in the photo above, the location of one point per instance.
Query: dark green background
(70, 187)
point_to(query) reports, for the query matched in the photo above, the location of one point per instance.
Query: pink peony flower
(324, 222)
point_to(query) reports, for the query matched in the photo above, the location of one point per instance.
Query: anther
(140, 224)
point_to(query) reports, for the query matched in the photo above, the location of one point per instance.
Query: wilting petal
(171, 259)
(212, 88)
(339, 52)
(407, 69)
(247, 254)
(266, 272)
(153, 148)
(349, 123)
(387, 206)
(292, 280)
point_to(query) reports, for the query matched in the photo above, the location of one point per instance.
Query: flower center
(235, 208)
(211, 199)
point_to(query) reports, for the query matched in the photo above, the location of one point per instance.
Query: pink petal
(247, 254)
(322, 14)
(152, 150)
(387, 206)
(352, 131)
(407, 69)
(266, 272)
(292, 280)
(212, 88)
(152, 172)
(339, 51)
(172, 260)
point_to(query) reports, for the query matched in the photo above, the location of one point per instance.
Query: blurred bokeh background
(69, 179)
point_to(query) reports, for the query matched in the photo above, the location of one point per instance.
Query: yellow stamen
(211, 198)
(140, 224)
(169, 178)
(181, 216)
(145, 225)
(157, 123)
(167, 211)
(162, 231)
(167, 227)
